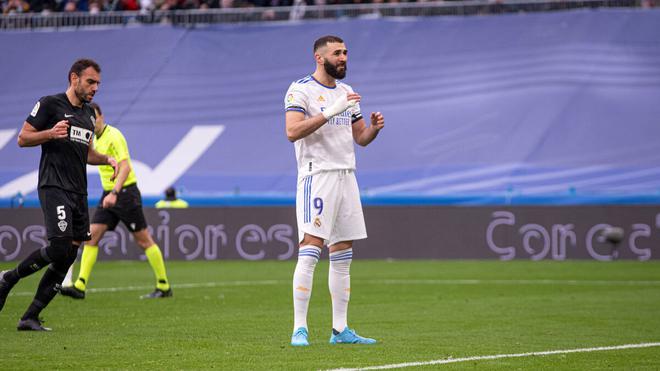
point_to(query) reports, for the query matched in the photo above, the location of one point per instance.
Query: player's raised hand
(377, 120)
(341, 105)
(60, 130)
(353, 99)
(112, 162)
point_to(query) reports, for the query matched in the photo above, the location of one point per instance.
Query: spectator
(70, 6)
(94, 7)
(147, 5)
(171, 201)
(16, 6)
(128, 5)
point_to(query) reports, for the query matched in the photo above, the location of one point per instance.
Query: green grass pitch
(237, 315)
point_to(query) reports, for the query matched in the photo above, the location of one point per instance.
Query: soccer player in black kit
(63, 124)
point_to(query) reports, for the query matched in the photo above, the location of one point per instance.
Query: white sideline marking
(500, 356)
(377, 282)
(175, 286)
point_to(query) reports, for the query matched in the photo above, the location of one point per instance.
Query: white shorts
(328, 206)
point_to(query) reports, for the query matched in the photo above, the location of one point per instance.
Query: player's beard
(80, 93)
(332, 70)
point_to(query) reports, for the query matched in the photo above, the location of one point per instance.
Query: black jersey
(64, 161)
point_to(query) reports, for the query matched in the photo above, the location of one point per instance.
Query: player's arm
(298, 127)
(124, 168)
(29, 136)
(364, 135)
(95, 158)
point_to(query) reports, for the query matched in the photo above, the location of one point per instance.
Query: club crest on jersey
(62, 225)
(317, 222)
(289, 98)
(321, 99)
(80, 135)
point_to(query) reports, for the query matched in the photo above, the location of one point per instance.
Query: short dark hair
(322, 41)
(170, 194)
(96, 107)
(82, 64)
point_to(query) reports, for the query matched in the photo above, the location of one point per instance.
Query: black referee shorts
(65, 213)
(128, 210)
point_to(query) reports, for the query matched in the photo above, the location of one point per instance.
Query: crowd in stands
(96, 6)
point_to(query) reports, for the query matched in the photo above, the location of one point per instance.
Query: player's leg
(314, 217)
(68, 279)
(62, 251)
(155, 258)
(87, 261)
(89, 256)
(33, 263)
(349, 226)
(339, 282)
(129, 209)
(73, 225)
(57, 217)
(303, 279)
(103, 220)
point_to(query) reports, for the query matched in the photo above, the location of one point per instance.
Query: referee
(120, 201)
(63, 124)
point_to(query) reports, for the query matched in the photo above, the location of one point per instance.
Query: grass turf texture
(418, 310)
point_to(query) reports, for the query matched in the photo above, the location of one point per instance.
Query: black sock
(45, 292)
(33, 263)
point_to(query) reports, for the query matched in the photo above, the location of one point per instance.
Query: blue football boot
(349, 336)
(299, 338)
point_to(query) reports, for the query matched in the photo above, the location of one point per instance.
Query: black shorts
(128, 210)
(65, 213)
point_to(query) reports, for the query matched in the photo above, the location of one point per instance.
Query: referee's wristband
(114, 192)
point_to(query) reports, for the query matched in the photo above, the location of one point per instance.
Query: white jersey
(331, 146)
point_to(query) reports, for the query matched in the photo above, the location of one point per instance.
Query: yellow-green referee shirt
(111, 142)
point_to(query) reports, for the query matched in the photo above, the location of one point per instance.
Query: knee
(309, 240)
(308, 257)
(144, 245)
(143, 239)
(341, 246)
(62, 253)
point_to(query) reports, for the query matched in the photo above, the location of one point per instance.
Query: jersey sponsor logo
(66, 115)
(62, 225)
(35, 109)
(80, 135)
(342, 119)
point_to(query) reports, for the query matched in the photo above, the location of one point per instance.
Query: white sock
(339, 281)
(303, 278)
(68, 279)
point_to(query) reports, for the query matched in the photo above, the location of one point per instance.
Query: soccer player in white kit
(323, 119)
